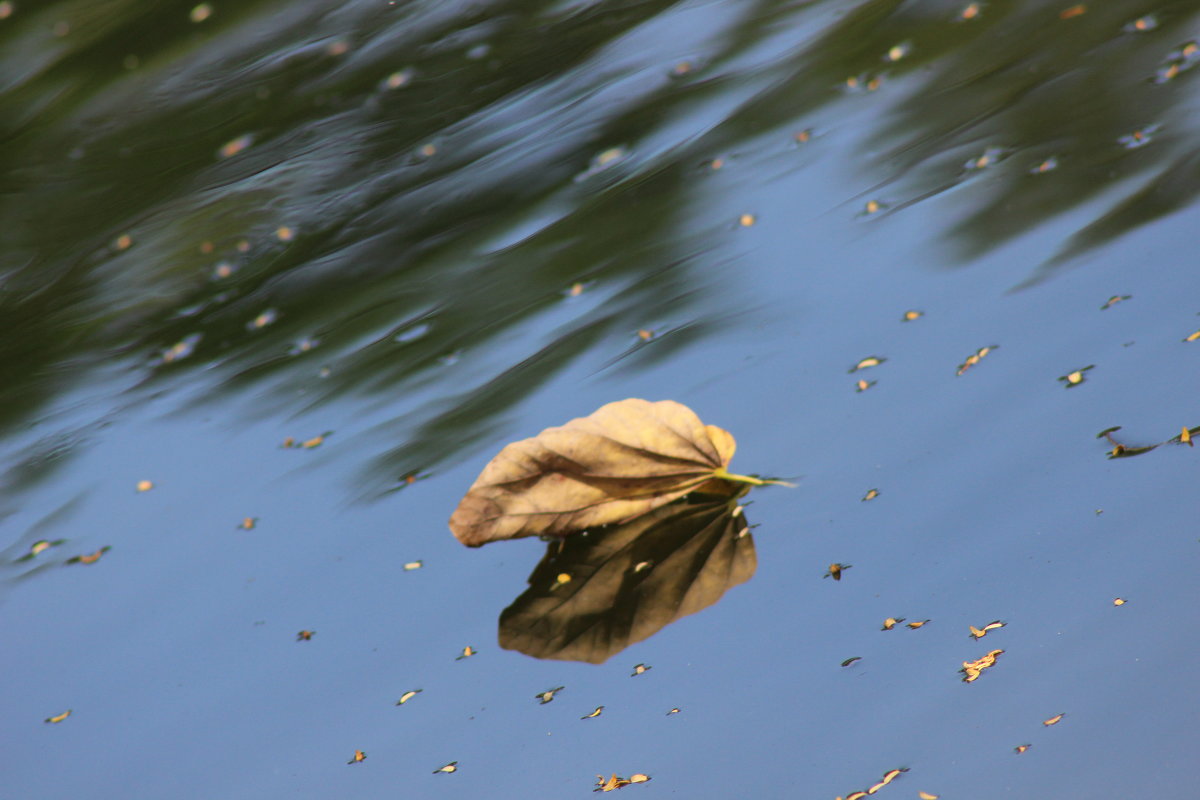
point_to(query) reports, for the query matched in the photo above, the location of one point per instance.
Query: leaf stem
(724, 474)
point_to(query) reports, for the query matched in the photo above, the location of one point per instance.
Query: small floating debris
(897, 52)
(921, 623)
(1138, 138)
(673, 711)
(1057, 718)
(235, 146)
(548, 695)
(851, 660)
(399, 79)
(912, 315)
(866, 363)
(90, 558)
(1119, 601)
(861, 385)
(1116, 298)
(1074, 11)
(57, 718)
(1072, 379)
(1049, 165)
(447, 768)
(409, 566)
(200, 12)
(975, 358)
(359, 756)
(615, 782)
(285, 233)
(971, 670)
(262, 320)
(1021, 748)
(747, 220)
(989, 157)
(970, 11)
(836, 570)
(870, 495)
(599, 710)
(409, 695)
(1142, 24)
(891, 622)
(248, 523)
(181, 349)
(305, 635)
(604, 160)
(638, 669)
(145, 486)
(39, 547)
(467, 652)
(979, 633)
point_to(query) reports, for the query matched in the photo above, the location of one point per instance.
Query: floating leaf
(623, 461)
(870, 495)
(673, 711)
(975, 358)
(447, 768)
(1053, 720)
(57, 718)
(891, 622)
(1119, 601)
(145, 486)
(1021, 748)
(599, 710)
(629, 581)
(918, 624)
(615, 782)
(409, 695)
(851, 660)
(1112, 301)
(359, 755)
(304, 636)
(467, 652)
(911, 315)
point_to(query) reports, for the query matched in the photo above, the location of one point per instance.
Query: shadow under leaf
(596, 592)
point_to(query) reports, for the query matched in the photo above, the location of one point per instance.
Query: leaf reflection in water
(697, 548)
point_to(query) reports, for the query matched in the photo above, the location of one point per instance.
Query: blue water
(422, 315)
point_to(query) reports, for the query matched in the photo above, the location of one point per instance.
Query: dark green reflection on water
(407, 189)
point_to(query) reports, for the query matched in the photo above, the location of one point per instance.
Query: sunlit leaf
(891, 622)
(57, 718)
(467, 652)
(918, 624)
(638, 777)
(622, 462)
(887, 778)
(970, 11)
(409, 566)
(1119, 601)
(870, 495)
(248, 523)
(862, 385)
(673, 711)
(359, 755)
(638, 669)
(1053, 720)
(447, 768)
(599, 710)
(911, 315)
(1021, 748)
(629, 581)
(548, 695)
(409, 695)
(1073, 11)
(145, 486)
(304, 636)
(851, 660)
(927, 796)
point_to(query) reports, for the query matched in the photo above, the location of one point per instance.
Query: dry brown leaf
(623, 461)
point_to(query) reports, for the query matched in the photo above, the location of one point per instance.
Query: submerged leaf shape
(627, 582)
(626, 459)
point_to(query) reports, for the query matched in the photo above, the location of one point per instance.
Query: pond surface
(277, 279)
